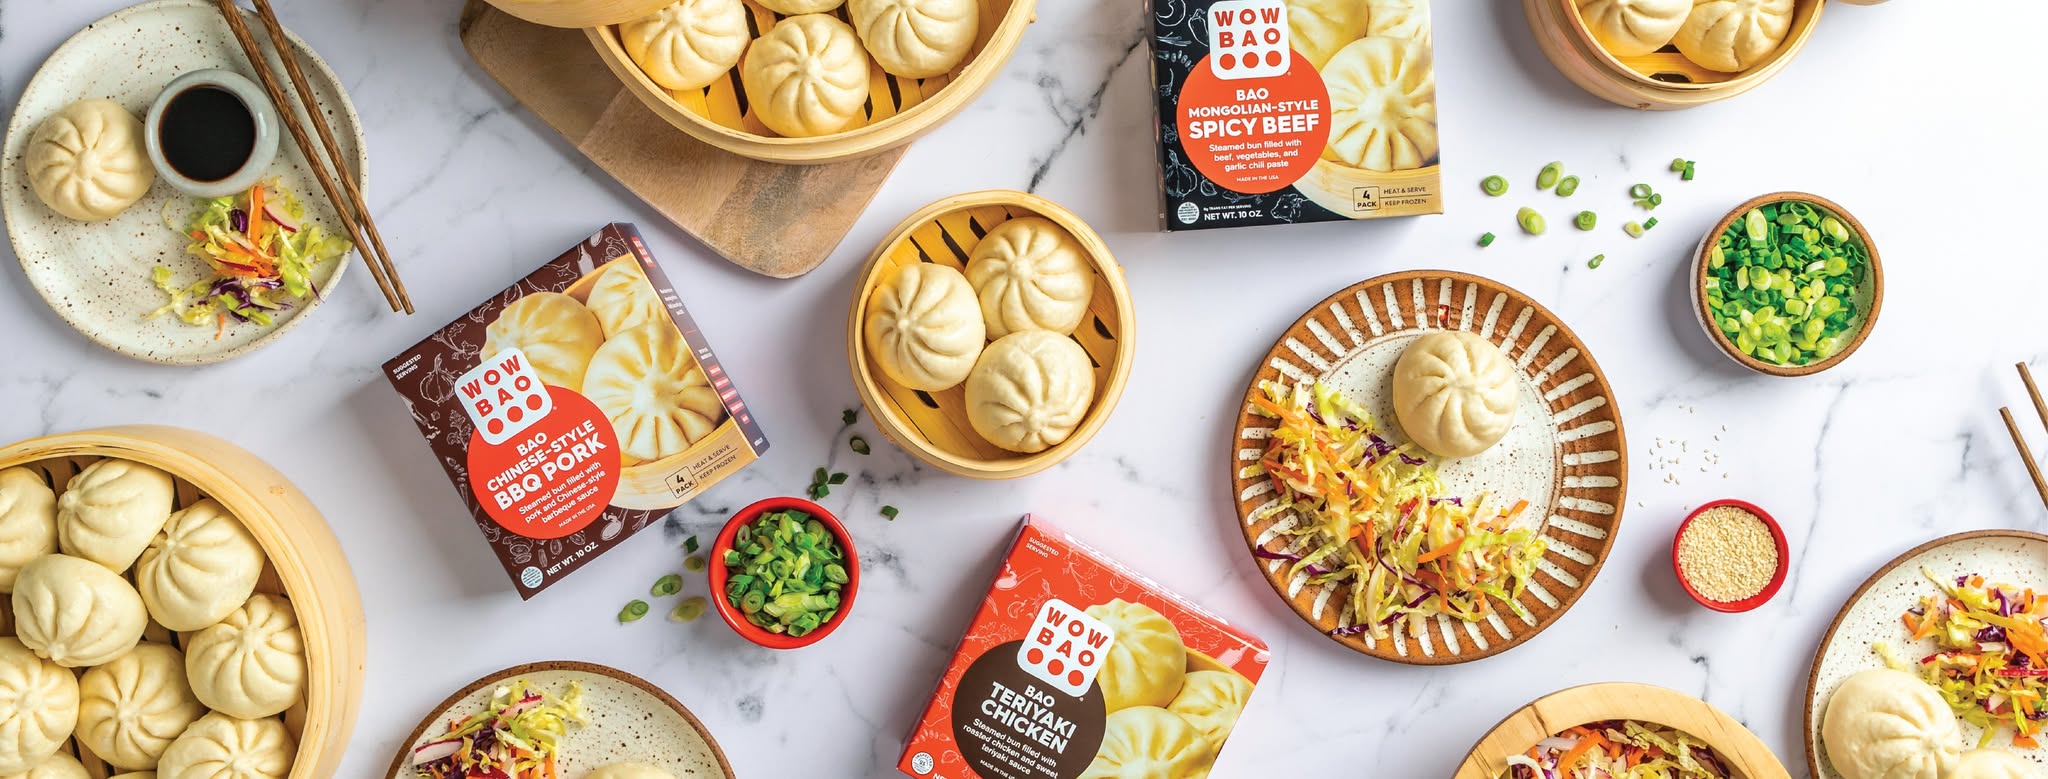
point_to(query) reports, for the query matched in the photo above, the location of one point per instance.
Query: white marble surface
(1920, 119)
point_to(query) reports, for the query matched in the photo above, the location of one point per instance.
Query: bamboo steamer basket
(306, 565)
(645, 486)
(933, 426)
(1663, 80)
(1557, 712)
(579, 13)
(899, 110)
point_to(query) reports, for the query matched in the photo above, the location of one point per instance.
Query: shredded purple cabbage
(239, 219)
(1453, 500)
(1413, 460)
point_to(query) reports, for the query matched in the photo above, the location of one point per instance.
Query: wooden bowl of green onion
(1788, 284)
(784, 573)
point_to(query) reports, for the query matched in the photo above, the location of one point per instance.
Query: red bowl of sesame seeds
(1730, 556)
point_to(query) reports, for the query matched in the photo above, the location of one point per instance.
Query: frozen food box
(1075, 665)
(1286, 111)
(576, 407)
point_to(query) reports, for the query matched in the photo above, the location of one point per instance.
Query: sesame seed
(1727, 554)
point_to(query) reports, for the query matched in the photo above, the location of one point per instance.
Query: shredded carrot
(1448, 548)
(2024, 741)
(1571, 757)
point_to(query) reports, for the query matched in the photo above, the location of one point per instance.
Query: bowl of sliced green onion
(1788, 284)
(784, 573)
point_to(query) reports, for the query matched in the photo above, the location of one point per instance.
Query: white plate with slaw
(1875, 613)
(98, 276)
(1558, 478)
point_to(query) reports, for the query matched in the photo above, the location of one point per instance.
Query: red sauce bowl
(718, 574)
(1753, 601)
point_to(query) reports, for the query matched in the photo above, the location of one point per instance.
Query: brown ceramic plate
(1566, 454)
(1565, 709)
(1871, 615)
(631, 720)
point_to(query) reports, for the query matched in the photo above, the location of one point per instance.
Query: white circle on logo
(921, 762)
(530, 577)
(1188, 213)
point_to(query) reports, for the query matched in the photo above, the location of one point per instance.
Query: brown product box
(1075, 664)
(1285, 111)
(576, 407)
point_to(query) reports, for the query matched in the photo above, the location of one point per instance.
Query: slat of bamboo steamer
(580, 13)
(1559, 711)
(1660, 81)
(899, 110)
(306, 565)
(933, 426)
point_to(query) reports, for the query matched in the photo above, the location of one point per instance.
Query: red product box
(1076, 664)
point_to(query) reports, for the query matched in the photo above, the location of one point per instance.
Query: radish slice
(438, 750)
(278, 218)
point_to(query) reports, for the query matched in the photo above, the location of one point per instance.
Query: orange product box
(1074, 665)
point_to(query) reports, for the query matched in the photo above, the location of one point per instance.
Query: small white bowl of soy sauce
(212, 133)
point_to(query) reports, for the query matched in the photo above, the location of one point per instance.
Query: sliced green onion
(1548, 177)
(689, 610)
(1530, 221)
(1633, 229)
(890, 512)
(694, 564)
(1567, 185)
(1597, 259)
(1656, 200)
(666, 585)
(849, 416)
(1486, 240)
(1494, 186)
(1639, 191)
(633, 611)
(1687, 175)
(1678, 164)
(690, 545)
(836, 479)
(1649, 223)
(859, 444)
(1586, 220)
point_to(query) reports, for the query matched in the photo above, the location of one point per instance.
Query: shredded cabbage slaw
(1374, 515)
(1991, 653)
(516, 736)
(260, 254)
(1618, 749)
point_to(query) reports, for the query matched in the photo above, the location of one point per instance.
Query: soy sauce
(207, 133)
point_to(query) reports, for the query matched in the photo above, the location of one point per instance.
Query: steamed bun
(38, 707)
(1632, 28)
(916, 38)
(807, 76)
(688, 44)
(88, 162)
(1148, 742)
(1030, 275)
(28, 522)
(1404, 19)
(222, 747)
(657, 397)
(203, 565)
(252, 664)
(555, 332)
(1318, 28)
(1455, 393)
(623, 299)
(76, 613)
(135, 775)
(1030, 391)
(1992, 764)
(629, 771)
(131, 709)
(1146, 664)
(789, 7)
(1733, 35)
(1886, 724)
(1211, 701)
(111, 510)
(1382, 105)
(923, 327)
(59, 766)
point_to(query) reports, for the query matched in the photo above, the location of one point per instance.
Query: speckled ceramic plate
(631, 721)
(96, 275)
(1872, 615)
(1565, 454)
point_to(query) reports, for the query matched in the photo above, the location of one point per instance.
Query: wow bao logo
(1065, 647)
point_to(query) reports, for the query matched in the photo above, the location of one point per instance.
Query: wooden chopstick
(2033, 469)
(287, 53)
(2040, 408)
(347, 209)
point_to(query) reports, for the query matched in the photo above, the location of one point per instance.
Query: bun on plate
(1455, 393)
(916, 38)
(1147, 663)
(630, 771)
(1030, 391)
(1886, 724)
(807, 76)
(87, 161)
(1030, 274)
(1382, 106)
(688, 44)
(1993, 764)
(923, 327)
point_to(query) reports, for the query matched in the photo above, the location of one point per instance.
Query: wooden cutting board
(775, 220)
